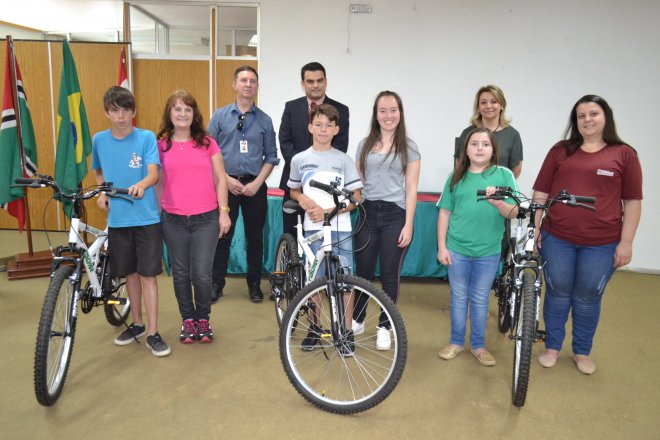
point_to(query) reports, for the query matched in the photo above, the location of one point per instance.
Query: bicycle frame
(88, 257)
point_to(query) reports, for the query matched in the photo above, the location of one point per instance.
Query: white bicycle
(328, 364)
(71, 263)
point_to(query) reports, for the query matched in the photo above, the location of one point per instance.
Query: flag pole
(19, 137)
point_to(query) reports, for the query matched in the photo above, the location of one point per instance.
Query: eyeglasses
(239, 126)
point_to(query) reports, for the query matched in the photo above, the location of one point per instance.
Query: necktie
(312, 106)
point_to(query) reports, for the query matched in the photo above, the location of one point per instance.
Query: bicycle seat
(291, 207)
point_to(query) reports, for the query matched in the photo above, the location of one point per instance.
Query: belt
(244, 177)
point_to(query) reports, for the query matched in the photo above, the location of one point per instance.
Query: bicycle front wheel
(524, 338)
(116, 314)
(325, 374)
(57, 329)
(289, 272)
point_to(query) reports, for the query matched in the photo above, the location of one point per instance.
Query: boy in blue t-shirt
(128, 157)
(325, 164)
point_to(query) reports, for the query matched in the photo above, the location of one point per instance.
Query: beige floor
(236, 388)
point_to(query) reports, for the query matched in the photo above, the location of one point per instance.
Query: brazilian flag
(74, 143)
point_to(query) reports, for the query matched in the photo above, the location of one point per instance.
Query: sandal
(484, 357)
(450, 352)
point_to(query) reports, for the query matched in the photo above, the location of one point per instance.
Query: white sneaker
(357, 327)
(383, 339)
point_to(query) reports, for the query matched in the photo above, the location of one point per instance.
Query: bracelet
(224, 208)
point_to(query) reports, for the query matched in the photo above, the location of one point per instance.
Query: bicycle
(340, 372)
(57, 324)
(518, 289)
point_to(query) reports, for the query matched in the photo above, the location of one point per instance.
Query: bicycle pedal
(326, 335)
(540, 336)
(115, 301)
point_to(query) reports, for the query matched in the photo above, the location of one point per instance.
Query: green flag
(74, 143)
(10, 160)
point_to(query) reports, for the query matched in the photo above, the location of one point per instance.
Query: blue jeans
(375, 242)
(575, 278)
(342, 245)
(470, 280)
(191, 241)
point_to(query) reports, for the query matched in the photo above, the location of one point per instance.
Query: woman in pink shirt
(194, 209)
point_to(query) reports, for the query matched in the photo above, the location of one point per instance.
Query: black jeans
(191, 242)
(254, 211)
(378, 239)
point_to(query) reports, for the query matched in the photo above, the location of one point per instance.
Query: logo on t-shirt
(136, 161)
(607, 173)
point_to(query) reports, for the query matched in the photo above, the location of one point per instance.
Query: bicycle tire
(522, 354)
(342, 385)
(287, 262)
(55, 337)
(116, 314)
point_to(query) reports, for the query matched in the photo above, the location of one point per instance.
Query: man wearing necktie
(246, 139)
(294, 135)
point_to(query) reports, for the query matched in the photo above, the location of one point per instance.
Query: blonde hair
(498, 94)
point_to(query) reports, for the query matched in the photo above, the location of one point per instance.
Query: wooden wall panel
(156, 80)
(224, 76)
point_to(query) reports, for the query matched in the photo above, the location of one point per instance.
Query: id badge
(243, 146)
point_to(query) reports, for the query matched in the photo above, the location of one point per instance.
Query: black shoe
(216, 293)
(313, 337)
(255, 293)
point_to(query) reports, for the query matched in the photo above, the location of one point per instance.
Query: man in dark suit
(294, 134)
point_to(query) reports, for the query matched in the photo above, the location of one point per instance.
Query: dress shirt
(257, 130)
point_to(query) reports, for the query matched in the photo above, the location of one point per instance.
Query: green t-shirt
(475, 227)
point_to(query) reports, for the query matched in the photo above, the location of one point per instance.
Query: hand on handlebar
(102, 202)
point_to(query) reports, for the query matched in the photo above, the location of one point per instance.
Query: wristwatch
(224, 208)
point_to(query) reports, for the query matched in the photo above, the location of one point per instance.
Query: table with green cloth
(420, 260)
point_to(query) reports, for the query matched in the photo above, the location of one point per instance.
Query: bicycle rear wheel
(288, 272)
(57, 329)
(116, 314)
(524, 338)
(327, 376)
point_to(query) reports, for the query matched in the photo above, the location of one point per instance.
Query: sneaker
(204, 332)
(346, 347)
(357, 327)
(131, 334)
(158, 346)
(188, 333)
(383, 339)
(313, 337)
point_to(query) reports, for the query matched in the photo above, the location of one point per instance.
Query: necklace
(181, 142)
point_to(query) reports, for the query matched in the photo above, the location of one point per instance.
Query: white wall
(436, 54)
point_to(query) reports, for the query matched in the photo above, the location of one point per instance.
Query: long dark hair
(572, 135)
(197, 131)
(400, 141)
(463, 162)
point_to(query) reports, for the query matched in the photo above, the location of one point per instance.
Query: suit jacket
(294, 135)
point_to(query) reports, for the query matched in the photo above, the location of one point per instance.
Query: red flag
(11, 165)
(122, 78)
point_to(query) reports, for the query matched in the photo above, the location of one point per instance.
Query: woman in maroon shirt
(582, 249)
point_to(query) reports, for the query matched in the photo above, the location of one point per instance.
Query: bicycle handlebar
(332, 189)
(502, 192)
(42, 180)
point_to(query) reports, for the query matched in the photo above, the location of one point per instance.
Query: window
(237, 31)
